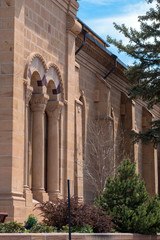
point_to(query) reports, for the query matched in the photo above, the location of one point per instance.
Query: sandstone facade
(48, 97)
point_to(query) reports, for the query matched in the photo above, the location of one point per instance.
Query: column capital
(39, 102)
(54, 109)
(28, 94)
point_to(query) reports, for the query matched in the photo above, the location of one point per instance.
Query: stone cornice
(67, 5)
(100, 56)
(73, 7)
(61, 4)
(115, 82)
(100, 70)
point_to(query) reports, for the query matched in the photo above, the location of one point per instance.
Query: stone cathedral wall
(48, 96)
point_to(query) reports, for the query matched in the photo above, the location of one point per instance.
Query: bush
(78, 229)
(56, 214)
(125, 197)
(42, 228)
(30, 222)
(11, 227)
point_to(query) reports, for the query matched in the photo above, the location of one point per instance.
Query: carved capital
(73, 25)
(54, 109)
(39, 102)
(28, 94)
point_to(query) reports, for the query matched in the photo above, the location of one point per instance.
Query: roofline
(101, 43)
(95, 34)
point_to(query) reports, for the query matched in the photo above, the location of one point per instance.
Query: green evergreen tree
(144, 75)
(126, 199)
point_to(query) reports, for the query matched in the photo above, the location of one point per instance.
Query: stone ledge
(77, 236)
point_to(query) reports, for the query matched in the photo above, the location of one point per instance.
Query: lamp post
(69, 208)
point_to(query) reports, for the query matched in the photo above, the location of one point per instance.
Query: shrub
(42, 228)
(30, 222)
(83, 229)
(11, 227)
(78, 229)
(125, 197)
(56, 214)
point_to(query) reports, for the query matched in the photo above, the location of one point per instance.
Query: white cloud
(128, 15)
(104, 26)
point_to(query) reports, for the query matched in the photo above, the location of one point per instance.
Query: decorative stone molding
(28, 94)
(31, 57)
(38, 102)
(73, 25)
(36, 63)
(54, 109)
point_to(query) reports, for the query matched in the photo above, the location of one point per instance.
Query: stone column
(53, 111)
(27, 191)
(38, 105)
(28, 94)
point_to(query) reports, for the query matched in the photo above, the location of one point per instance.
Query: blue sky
(99, 15)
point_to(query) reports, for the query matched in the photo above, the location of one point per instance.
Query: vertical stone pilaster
(149, 158)
(129, 126)
(78, 187)
(73, 28)
(38, 105)
(53, 185)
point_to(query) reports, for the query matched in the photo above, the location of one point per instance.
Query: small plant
(42, 228)
(56, 214)
(30, 222)
(11, 227)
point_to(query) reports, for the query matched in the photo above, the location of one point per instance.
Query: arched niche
(54, 82)
(35, 72)
(35, 82)
(50, 89)
(43, 111)
(35, 63)
(44, 77)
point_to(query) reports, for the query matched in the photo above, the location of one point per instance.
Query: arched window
(42, 129)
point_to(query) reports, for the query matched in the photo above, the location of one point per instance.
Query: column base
(53, 195)
(28, 197)
(40, 196)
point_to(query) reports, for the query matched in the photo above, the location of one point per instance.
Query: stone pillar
(28, 94)
(78, 186)
(27, 192)
(149, 157)
(38, 105)
(53, 111)
(73, 28)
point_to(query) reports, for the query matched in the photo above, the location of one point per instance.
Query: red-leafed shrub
(56, 214)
